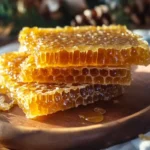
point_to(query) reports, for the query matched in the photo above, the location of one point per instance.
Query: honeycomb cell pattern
(37, 99)
(85, 75)
(88, 45)
(64, 57)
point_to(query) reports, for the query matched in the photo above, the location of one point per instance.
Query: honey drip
(93, 119)
(97, 117)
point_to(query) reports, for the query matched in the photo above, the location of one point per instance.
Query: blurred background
(15, 14)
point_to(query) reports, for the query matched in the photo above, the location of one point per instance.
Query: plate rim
(76, 137)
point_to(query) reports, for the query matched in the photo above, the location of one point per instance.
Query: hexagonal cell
(55, 71)
(60, 79)
(74, 72)
(99, 80)
(113, 73)
(123, 72)
(79, 101)
(94, 72)
(88, 79)
(83, 92)
(80, 79)
(65, 71)
(44, 72)
(104, 72)
(69, 79)
(50, 78)
(85, 71)
(108, 80)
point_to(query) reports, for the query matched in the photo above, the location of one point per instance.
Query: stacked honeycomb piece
(61, 68)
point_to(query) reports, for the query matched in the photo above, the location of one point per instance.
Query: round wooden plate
(126, 117)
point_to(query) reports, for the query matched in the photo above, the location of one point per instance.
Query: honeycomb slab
(37, 99)
(87, 45)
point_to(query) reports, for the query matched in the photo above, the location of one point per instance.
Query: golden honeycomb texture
(88, 45)
(21, 71)
(38, 99)
(85, 75)
(62, 68)
(43, 99)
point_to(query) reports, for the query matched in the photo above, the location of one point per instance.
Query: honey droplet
(144, 137)
(93, 119)
(99, 110)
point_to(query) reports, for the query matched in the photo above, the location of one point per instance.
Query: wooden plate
(126, 117)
